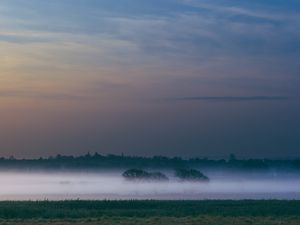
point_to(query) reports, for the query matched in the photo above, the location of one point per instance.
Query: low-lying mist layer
(53, 186)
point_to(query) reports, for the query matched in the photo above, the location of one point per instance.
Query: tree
(137, 174)
(190, 175)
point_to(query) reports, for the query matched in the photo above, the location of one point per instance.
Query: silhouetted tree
(137, 174)
(190, 175)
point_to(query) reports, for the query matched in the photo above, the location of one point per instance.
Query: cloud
(234, 98)
(236, 10)
(202, 41)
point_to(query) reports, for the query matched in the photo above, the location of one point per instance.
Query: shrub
(137, 174)
(191, 175)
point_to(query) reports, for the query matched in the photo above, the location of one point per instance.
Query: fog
(98, 186)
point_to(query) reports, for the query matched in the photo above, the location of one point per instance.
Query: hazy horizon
(106, 186)
(92, 153)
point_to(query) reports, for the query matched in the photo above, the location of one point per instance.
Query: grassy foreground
(151, 212)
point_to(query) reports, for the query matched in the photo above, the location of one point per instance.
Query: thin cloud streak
(234, 98)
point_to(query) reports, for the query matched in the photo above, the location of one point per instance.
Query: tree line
(110, 161)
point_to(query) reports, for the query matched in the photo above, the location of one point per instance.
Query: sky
(163, 77)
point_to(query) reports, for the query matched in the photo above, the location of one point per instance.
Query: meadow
(212, 212)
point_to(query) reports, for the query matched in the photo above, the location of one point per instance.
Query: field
(269, 212)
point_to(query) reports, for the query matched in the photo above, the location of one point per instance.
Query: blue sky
(173, 77)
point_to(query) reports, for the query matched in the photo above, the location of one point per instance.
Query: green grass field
(151, 212)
